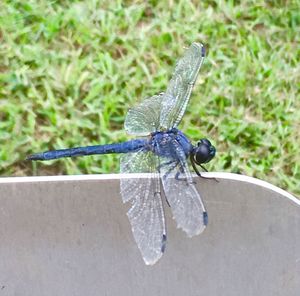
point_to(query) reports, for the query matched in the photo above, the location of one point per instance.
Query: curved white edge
(217, 175)
(243, 178)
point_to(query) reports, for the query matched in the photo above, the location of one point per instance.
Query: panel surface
(69, 235)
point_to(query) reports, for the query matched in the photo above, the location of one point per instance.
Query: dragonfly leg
(183, 179)
(167, 173)
(178, 178)
(203, 168)
(198, 173)
(208, 177)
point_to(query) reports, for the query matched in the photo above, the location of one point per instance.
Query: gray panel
(70, 236)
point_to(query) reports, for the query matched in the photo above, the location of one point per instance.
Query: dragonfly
(160, 152)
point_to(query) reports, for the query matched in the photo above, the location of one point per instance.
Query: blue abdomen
(125, 147)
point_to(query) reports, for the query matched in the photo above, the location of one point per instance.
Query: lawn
(69, 71)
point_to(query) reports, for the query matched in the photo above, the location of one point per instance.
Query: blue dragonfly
(161, 151)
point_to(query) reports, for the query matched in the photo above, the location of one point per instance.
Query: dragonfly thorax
(164, 143)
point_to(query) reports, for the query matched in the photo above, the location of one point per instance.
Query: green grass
(70, 70)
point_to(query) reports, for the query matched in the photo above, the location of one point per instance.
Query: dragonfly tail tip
(28, 157)
(38, 156)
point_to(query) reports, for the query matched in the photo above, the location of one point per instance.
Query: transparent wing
(146, 214)
(180, 87)
(186, 204)
(144, 118)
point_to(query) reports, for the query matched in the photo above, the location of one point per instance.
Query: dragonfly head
(203, 152)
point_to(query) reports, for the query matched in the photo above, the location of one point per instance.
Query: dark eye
(204, 141)
(204, 152)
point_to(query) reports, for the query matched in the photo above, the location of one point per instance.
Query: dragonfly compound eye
(204, 141)
(204, 152)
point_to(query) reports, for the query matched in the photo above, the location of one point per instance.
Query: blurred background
(69, 71)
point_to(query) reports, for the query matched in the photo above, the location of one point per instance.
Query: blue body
(160, 143)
